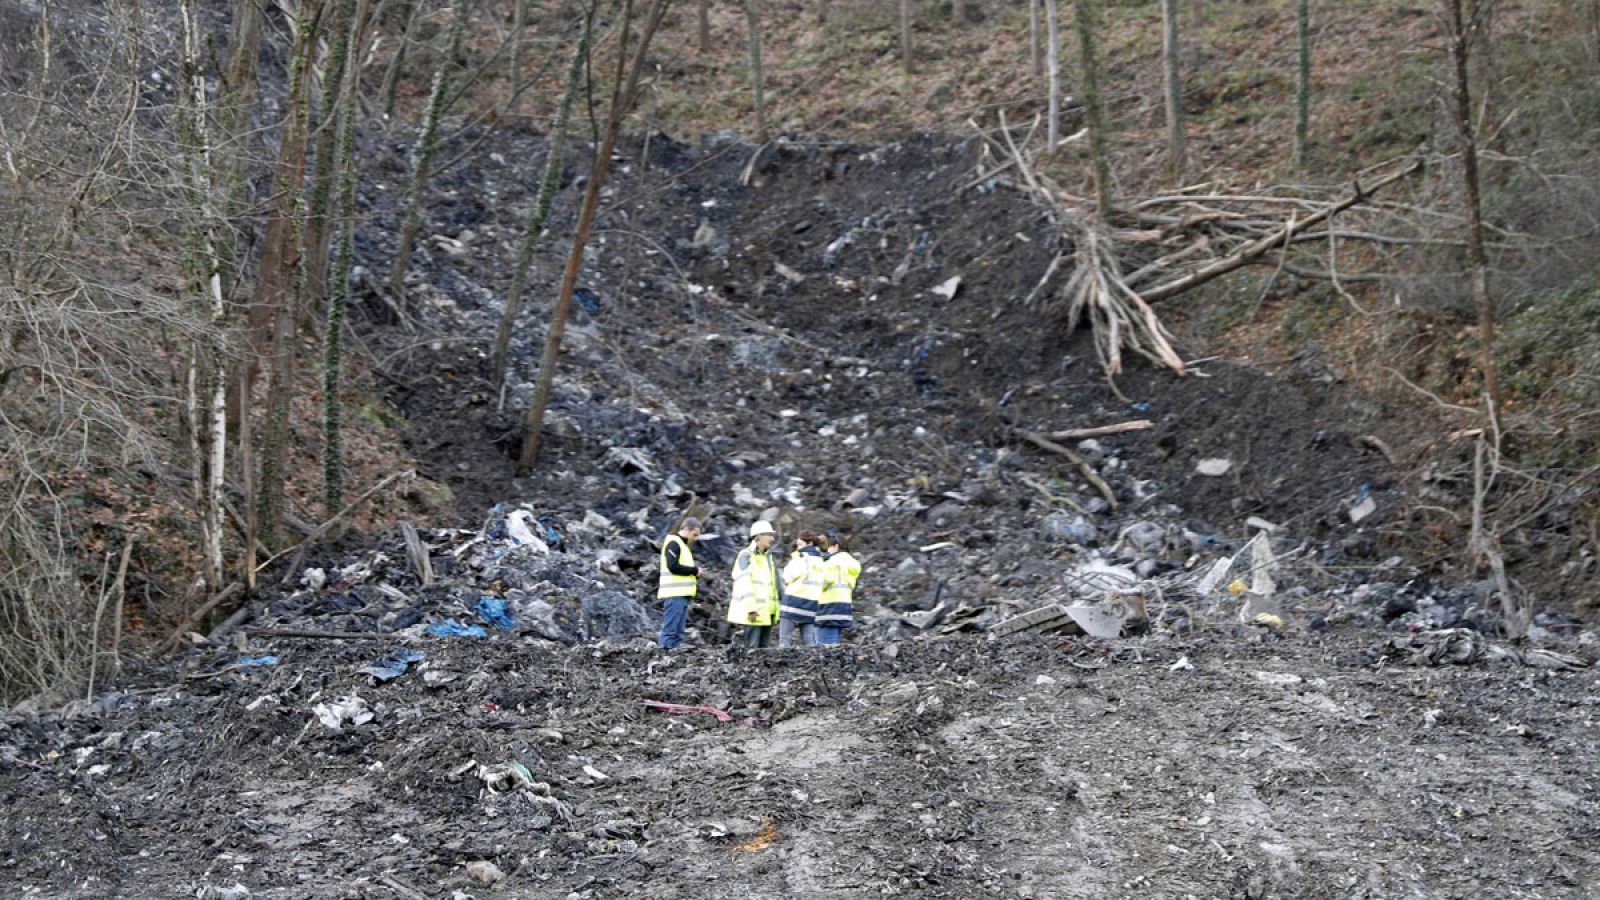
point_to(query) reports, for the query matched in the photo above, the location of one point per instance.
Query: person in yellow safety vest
(834, 615)
(756, 592)
(804, 578)
(679, 581)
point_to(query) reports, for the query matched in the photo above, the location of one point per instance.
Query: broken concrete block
(1032, 620)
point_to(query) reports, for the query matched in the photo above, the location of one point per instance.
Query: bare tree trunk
(1197, 12)
(391, 79)
(519, 24)
(1035, 39)
(280, 278)
(620, 98)
(427, 146)
(1088, 22)
(1302, 102)
(822, 12)
(319, 230)
(1052, 116)
(1177, 156)
(339, 292)
(541, 206)
(207, 382)
(958, 11)
(757, 75)
(705, 26)
(905, 35)
(1459, 38)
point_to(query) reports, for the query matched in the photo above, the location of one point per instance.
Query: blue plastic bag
(452, 628)
(493, 611)
(393, 665)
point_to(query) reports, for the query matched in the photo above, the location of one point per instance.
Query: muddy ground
(760, 330)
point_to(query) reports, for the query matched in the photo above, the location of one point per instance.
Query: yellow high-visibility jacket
(673, 584)
(754, 599)
(840, 589)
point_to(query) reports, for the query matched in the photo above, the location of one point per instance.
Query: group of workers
(808, 601)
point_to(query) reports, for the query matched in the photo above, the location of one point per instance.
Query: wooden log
(1044, 443)
(313, 634)
(1074, 434)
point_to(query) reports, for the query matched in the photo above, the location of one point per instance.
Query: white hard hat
(761, 527)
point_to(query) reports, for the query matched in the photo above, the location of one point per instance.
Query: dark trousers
(674, 614)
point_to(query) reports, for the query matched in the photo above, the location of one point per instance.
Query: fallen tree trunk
(1252, 251)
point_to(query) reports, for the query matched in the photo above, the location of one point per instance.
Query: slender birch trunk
(1088, 23)
(757, 75)
(705, 26)
(541, 206)
(1177, 156)
(207, 383)
(1052, 119)
(427, 146)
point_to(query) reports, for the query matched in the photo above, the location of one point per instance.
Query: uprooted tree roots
(1200, 241)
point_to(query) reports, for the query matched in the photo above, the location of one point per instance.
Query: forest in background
(182, 400)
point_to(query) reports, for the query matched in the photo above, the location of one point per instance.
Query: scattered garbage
(680, 708)
(1058, 619)
(1215, 467)
(452, 628)
(252, 661)
(493, 611)
(393, 664)
(500, 777)
(346, 710)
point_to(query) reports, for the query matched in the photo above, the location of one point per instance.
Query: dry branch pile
(1196, 234)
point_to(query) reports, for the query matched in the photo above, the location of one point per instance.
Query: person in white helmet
(756, 590)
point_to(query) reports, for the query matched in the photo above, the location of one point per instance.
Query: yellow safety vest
(676, 585)
(754, 599)
(804, 579)
(841, 588)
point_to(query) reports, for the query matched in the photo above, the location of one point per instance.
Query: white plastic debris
(519, 525)
(351, 709)
(596, 774)
(1182, 665)
(1214, 467)
(949, 288)
(1362, 510)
